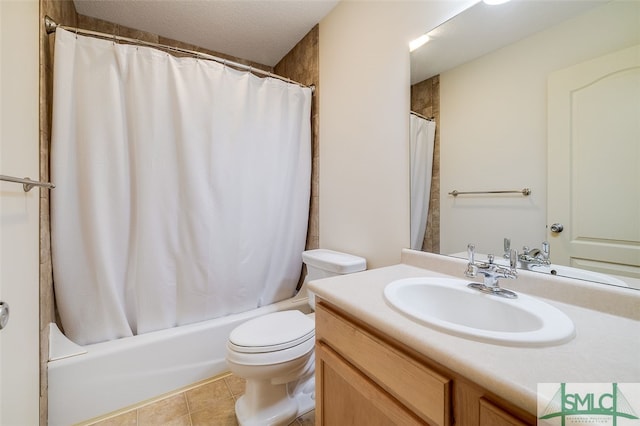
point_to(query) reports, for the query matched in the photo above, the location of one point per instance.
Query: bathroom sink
(447, 304)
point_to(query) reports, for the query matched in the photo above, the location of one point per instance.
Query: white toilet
(275, 352)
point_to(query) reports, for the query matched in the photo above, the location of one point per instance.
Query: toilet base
(306, 403)
(278, 406)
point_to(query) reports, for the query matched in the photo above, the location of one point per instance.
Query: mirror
(487, 91)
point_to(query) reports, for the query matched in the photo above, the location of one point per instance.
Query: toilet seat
(273, 338)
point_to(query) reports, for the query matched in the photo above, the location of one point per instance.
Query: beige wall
(364, 158)
(493, 128)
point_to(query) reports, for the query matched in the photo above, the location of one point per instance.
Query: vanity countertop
(604, 350)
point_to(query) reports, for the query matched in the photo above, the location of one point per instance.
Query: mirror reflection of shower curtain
(182, 191)
(422, 139)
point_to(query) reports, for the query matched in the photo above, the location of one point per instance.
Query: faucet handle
(546, 249)
(472, 269)
(513, 259)
(507, 247)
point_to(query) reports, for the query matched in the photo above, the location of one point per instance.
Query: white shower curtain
(422, 139)
(182, 188)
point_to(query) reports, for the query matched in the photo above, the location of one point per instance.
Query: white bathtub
(116, 374)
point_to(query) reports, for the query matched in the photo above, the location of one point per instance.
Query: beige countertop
(604, 350)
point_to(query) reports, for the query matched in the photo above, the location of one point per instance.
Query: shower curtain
(422, 139)
(182, 188)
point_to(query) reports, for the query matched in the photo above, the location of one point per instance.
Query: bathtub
(116, 374)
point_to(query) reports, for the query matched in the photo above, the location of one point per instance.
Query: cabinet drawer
(422, 390)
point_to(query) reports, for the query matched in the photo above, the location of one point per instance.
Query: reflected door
(594, 164)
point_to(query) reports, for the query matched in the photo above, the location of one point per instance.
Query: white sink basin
(449, 305)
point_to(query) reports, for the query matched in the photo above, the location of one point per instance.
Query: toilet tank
(323, 263)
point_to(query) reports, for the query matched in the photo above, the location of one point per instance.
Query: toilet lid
(272, 332)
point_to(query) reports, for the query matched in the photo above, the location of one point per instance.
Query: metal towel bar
(525, 192)
(27, 184)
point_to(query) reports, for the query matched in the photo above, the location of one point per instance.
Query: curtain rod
(51, 26)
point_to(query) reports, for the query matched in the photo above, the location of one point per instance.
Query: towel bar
(27, 184)
(525, 192)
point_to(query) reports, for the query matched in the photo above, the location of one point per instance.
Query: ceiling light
(418, 42)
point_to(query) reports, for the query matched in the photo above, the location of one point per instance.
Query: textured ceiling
(262, 31)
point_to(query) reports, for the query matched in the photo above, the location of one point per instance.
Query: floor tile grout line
(186, 401)
(226, 383)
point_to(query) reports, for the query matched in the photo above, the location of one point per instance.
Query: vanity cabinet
(364, 377)
(492, 415)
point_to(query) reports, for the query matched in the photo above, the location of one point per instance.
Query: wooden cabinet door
(346, 397)
(492, 415)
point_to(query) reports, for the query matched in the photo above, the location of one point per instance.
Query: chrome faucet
(535, 257)
(491, 272)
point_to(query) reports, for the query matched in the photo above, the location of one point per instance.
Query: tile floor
(209, 403)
